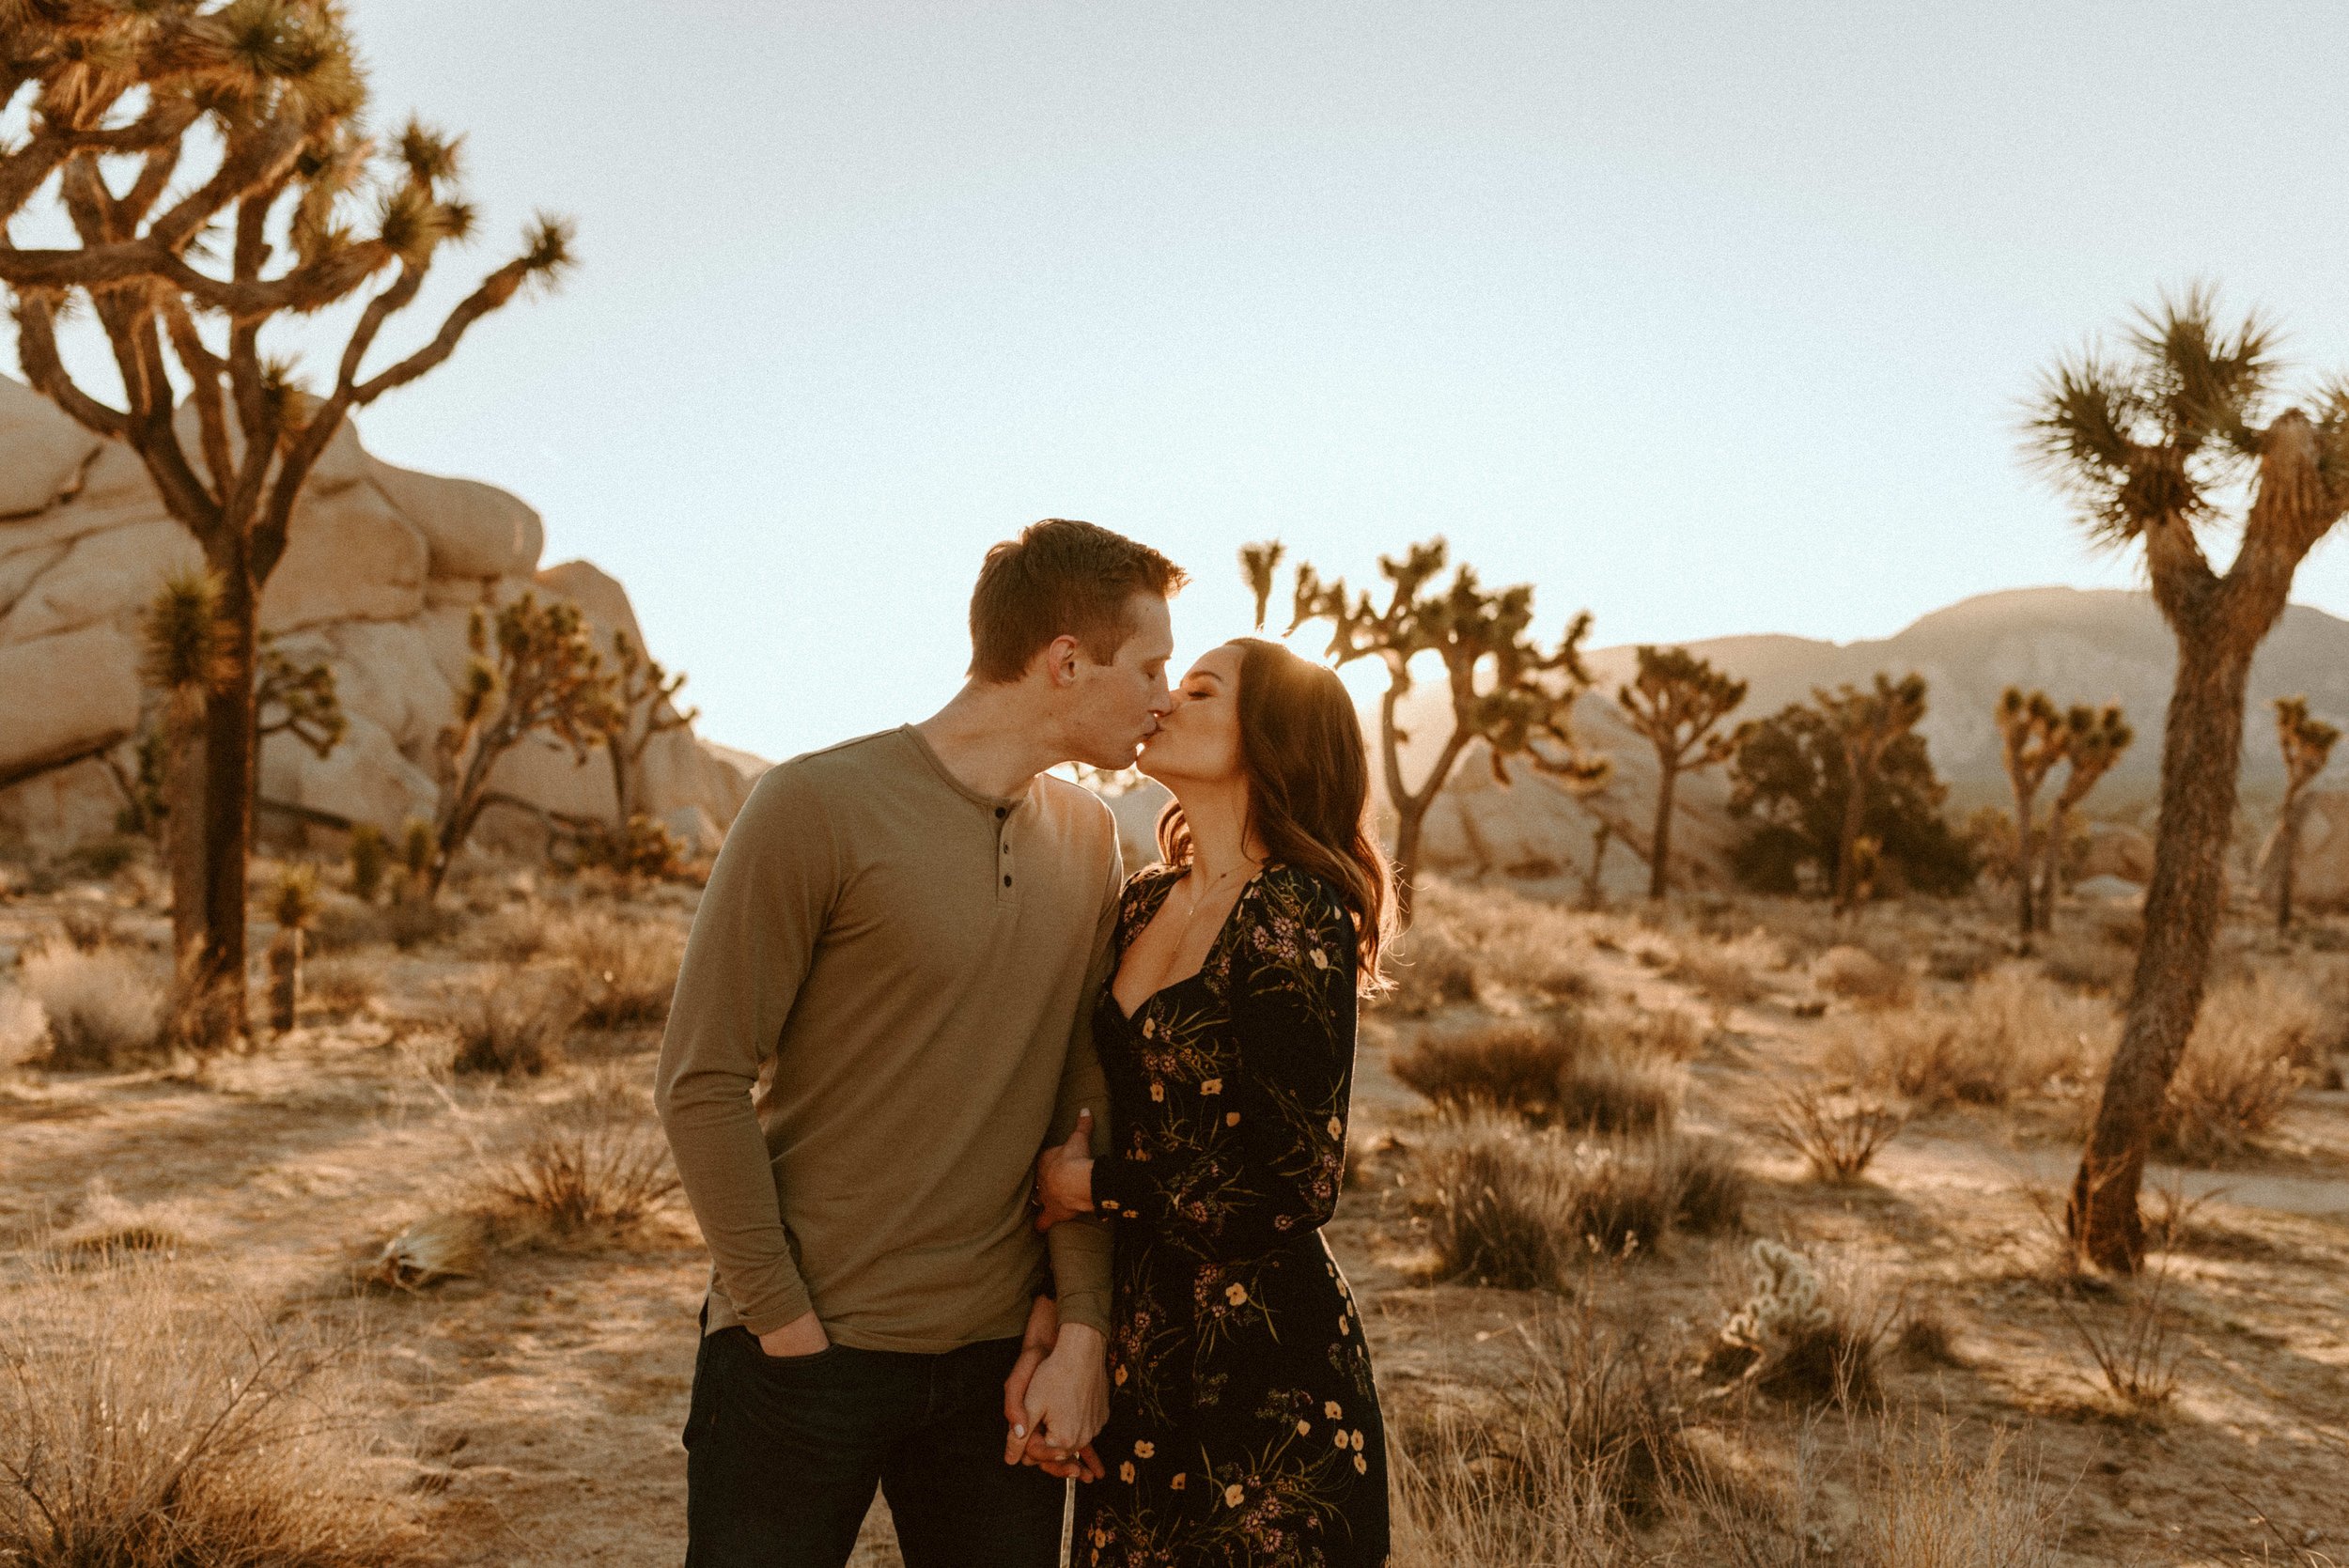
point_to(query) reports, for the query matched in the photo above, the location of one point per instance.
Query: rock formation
(382, 571)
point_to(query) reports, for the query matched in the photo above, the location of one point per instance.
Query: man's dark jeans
(783, 1455)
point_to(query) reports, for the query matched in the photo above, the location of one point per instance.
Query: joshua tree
(206, 160)
(1868, 723)
(2030, 739)
(1504, 689)
(293, 907)
(369, 857)
(1678, 700)
(545, 678)
(1257, 564)
(183, 661)
(644, 705)
(2308, 746)
(2176, 432)
(2093, 739)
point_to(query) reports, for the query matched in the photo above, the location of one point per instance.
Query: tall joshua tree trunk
(2151, 445)
(1658, 880)
(228, 762)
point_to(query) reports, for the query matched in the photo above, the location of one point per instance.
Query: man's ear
(1060, 662)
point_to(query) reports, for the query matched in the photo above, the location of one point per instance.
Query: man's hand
(802, 1336)
(1068, 1403)
(1064, 1176)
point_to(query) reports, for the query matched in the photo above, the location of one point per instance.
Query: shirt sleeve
(1079, 1247)
(1268, 1149)
(768, 897)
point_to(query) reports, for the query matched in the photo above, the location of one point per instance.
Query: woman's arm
(1267, 1164)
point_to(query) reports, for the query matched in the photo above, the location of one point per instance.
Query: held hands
(1033, 1440)
(1069, 1404)
(1064, 1176)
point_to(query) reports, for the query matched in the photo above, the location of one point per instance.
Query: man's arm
(768, 897)
(1080, 1248)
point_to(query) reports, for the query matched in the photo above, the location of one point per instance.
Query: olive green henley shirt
(883, 1015)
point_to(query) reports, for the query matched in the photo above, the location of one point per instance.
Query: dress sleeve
(1267, 1149)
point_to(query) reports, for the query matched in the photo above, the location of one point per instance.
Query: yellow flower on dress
(1303, 1426)
(1120, 1376)
(1236, 1293)
(1337, 1440)
(1337, 1128)
(1179, 1482)
(1126, 1472)
(1344, 1323)
(1362, 1465)
(1232, 1495)
(1145, 1451)
(1329, 1410)
(1357, 1440)
(1212, 1086)
(1157, 1091)
(1321, 959)
(1231, 1118)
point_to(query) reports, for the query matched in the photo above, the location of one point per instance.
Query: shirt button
(1006, 881)
(1002, 812)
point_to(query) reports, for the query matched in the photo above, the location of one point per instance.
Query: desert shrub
(1670, 1032)
(1858, 975)
(1609, 1091)
(100, 860)
(106, 1006)
(1464, 936)
(515, 934)
(1962, 959)
(1512, 1206)
(2086, 962)
(1587, 1436)
(344, 922)
(1507, 1066)
(1837, 1136)
(514, 1022)
(626, 968)
(1925, 1504)
(2128, 1344)
(595, 1158)
(2258, 1041)
(1800, 1336)
(1727, 973)
(147, 1422)
(2010, 1034)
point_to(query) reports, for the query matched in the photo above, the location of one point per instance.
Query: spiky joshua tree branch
(207, 159)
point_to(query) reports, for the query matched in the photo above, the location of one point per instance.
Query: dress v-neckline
(1222, 933)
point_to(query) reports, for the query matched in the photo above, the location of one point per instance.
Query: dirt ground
(541, 1399)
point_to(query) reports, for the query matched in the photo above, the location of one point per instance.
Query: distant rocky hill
(2080, 646)
(382, 568)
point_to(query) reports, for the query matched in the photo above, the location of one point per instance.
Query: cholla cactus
(1785, 1305)
(369, 857)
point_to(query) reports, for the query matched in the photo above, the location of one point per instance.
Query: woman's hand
(1069, 1404)
(1035, 1344)
(1064, 1176)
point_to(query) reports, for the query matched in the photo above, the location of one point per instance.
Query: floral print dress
(1244, 1425)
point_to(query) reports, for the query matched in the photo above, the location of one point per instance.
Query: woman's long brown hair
(1300, 749)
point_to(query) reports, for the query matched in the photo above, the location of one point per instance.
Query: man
(881, 1019)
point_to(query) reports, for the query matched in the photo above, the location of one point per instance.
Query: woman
(1244, 1425)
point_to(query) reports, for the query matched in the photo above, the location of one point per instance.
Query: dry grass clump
(1726, 973)
(106, 1006)
(1505, 1066)
(1669, 1032)
(2011, 1035)
(436, 1248)
(1512, 1206)
(1858, 975)
(1550, 1073)
(1461, 938)
(2086, 962)
(149, 1422)
(2260, 1039)
(626, 968)
(1800, 1335)
(2129, 1343)
(107, 1229)
(514, 1021)
(1838, 1136)
(594, 1159)
(1588, 1438)
(1928, 1505)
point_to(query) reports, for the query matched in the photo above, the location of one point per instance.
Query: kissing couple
(1013, 1168)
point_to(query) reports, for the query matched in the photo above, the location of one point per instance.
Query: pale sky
(1711, 318)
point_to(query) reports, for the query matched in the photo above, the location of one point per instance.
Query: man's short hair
(1060, 578)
